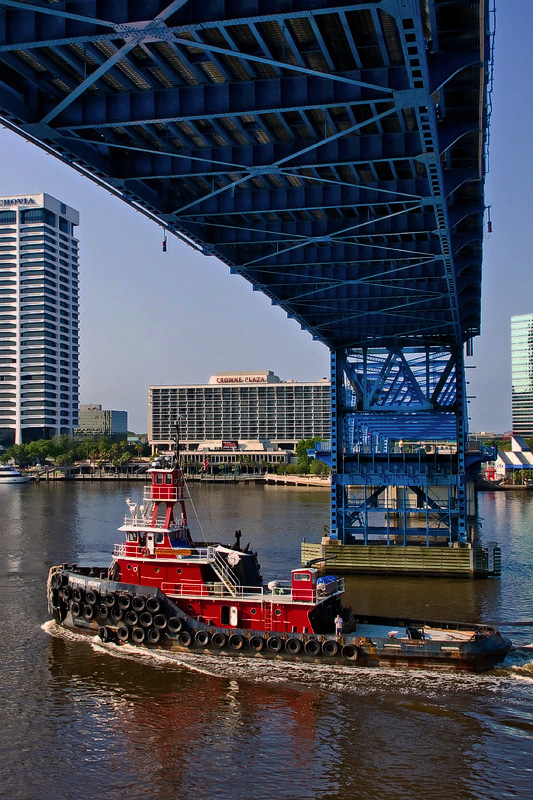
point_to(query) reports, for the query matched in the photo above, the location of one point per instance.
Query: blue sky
(178, 317)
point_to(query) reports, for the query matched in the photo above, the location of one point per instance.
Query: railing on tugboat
(282, 592)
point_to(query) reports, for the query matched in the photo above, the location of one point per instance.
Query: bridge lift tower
(331, 152)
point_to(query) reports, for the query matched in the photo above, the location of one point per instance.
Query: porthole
(253, 611)
(189, 607)
(156, 569)
(129, 566)
(178, 571)
(135, 569)
(277, 612)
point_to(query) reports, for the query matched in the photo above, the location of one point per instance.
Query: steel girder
(331, 152)
(397, 445)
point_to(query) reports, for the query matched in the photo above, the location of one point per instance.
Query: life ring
(236, 641)
(145, 551)
(153, 635)
(330, 647)
(175, 624)
(293, 646)
(201, 638)
(312, 647)
(137, 635)
(274, 644)
(256, 643)
(350, 652)
(219, 640)
(122, 633)
(146, 619)
(131, 617)
(153, 605)
(138, 602)
(185, 639)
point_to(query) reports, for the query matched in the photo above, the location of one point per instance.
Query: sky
(148, 317)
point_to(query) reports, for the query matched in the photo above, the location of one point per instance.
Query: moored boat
(12, 475)
(163, 590)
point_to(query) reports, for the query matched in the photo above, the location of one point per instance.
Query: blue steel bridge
(332, 152)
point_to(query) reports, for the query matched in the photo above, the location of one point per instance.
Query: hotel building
(39, 344)
(522, 373)
(238, 407)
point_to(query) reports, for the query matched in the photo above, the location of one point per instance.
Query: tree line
(65, 450)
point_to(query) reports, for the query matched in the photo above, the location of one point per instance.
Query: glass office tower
(522, 373)
(39, 344)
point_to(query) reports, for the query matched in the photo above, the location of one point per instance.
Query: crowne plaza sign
(242, 379)
(17, 201)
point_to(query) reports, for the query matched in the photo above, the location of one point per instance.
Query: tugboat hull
(144, 616)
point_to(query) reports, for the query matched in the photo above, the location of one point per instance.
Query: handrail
(223, 571)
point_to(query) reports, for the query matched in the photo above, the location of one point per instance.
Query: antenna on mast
(176, 458)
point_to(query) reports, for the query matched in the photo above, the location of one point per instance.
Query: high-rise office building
(39, 344)
(93, 420)
(522, 373)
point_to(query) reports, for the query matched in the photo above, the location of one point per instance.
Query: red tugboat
(162, 590)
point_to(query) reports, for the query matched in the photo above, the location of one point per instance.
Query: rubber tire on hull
(131, 617)
(201, 638)
(122, 633)
(350, 652)
(274, 644)
(116, 614)
(312, 647)
(153, 605)
(138, 603)
(236, 641)
(219, 640)
(77, 595)
(137, 635)
(160, 621)
(124, 601)
(88, 613)
(146, 619)
(330, 647)
(91, 597)
(153, 635)
(256, 643)
(109, 599)
(103, 611)
(75, 609)
(175, 624)
(293, 646)
(105, 634)
(185, 639)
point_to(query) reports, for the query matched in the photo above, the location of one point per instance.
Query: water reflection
(96, 722)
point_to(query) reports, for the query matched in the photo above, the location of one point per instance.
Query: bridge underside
(330, 152)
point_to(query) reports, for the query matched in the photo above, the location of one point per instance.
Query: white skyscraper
(39, 318)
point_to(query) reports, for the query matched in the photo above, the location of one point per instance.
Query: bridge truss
(332, 152)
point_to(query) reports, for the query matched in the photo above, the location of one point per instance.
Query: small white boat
(12, 475)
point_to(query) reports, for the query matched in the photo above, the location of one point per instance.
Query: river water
(84, 720)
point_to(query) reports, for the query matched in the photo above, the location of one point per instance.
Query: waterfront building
(522, 373)
(39, 314)
(235, 408)
(96, 421)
